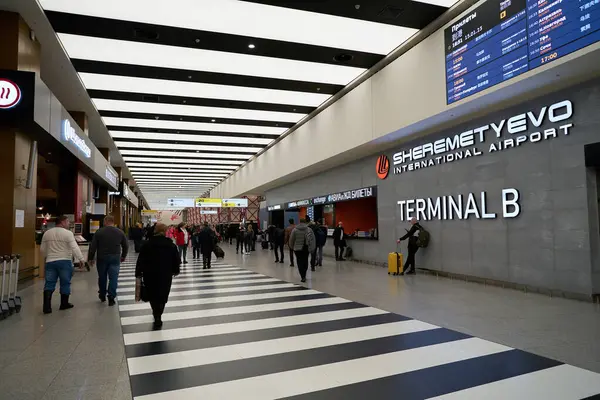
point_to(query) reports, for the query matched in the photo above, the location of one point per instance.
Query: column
(19, 52)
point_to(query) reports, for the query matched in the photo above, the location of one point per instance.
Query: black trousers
(157, 309)
(196, 251)
(239, 243)
(302, 260)
(313, 259)
(278, 250)
(291, 258)
(206, 256)
(410, 260)
(339, 249)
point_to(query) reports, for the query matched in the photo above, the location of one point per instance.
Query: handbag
(141, 292)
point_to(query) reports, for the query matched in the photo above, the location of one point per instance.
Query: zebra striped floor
(230, 333)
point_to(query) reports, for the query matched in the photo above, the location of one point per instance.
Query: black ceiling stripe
(216, 78)
(206, 40)
(405, 13)
(121, 146)
(188, 132)
(196, 143)
(188, 118)
(192, 101)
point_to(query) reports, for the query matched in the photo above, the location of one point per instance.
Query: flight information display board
(504, 38)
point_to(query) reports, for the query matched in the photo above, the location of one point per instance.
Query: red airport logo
(10, 94)
(383, 166)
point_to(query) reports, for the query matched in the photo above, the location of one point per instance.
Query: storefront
(58, 170)
(509, 197)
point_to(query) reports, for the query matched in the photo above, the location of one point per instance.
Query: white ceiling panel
(192, 156)
(180, 137)
(149, 161)
(232, 17)
(193, 126)
(200, 90)
(195, 111)
(172, 146)
(169, 168)
(153, 55)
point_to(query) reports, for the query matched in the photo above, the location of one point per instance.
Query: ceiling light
(192, 126)
(160, 146)
(200, 90)
(251, 46)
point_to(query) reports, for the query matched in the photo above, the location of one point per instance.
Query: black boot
(111, 301)
(47, 308)
(64, 302)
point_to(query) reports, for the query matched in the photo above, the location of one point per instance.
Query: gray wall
(552, 244)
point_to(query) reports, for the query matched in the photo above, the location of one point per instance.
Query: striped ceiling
(191, 89)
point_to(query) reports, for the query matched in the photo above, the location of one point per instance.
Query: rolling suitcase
(219, 253)
(395, 263)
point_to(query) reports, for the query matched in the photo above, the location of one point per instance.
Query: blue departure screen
(504, 38)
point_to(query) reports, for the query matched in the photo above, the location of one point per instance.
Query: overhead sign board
(235, 203)
(208, 203)
(181, 202)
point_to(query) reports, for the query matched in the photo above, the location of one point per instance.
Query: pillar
(19, 52)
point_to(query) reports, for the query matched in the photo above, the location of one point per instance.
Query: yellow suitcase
(395, 263)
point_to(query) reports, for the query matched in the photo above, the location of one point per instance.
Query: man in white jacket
(58, 249)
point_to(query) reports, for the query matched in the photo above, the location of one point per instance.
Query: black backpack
(423, 238)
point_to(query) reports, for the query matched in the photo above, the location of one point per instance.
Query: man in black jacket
(339, 241)
(207, 239)
(413, 247)
(278, 242)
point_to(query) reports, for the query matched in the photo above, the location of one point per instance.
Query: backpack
(423, 239)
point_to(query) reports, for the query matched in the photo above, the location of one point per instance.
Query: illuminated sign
(111, 176)
(181, 202)
(276, 207)
(208, 203)
(10, 94)
(70, 135)
(208, 212)
(235, 203)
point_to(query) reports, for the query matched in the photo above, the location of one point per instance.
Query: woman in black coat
(157, 263)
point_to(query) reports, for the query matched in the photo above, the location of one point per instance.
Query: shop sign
(352, 194)
(111, 176)
(70, 135)
(460, 207)
(10, 94)
(299, 203)
(506, 134)
(276, 207)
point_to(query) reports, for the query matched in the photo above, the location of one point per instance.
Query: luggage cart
(14, 299)
(11, 301)
(4, 309)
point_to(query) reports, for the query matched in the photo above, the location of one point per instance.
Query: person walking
(136, 233)
(158, 262)
(321, 239)
(288, 233)
(207, 239)
(313, 255)
(240, 239)
(339, 241)
(278, 242)
(413, 247)
(249, 237)
(196, 242)
(302, 241)
(111, 247)
(182, 240)
(58, 248)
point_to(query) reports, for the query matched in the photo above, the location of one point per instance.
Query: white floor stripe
(206, 284)
(308, 380)
(563, 382)
(193, 358)
(215, 291)
(200, 278)
(245, 326)
(228, 272)
(178, 316)
(217, 300)
(187, 268)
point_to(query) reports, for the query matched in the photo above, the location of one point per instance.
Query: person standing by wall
(288, 233)
(413, 247)
(302, 241)
(339, 241)
(156, 265)
(111, 246)
(58, 248)
(182, 240)
(207, 239)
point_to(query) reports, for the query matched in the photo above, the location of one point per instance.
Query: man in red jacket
(182, 239)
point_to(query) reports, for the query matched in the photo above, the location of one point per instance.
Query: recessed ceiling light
(197, 40)
(213, 120)
(251, 46)
(318, 89)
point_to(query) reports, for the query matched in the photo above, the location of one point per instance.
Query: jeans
(196, 251)
(291, 258)
(341, 252)
(319, 256)
(61, 269)
(278, 250)
(313, 259)
(183, 252)
(248, 245)
(108, 269)
(302, 259)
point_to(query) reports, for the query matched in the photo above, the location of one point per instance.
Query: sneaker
(111, 301)
(157, 324)
(303, 280)
(102, 298)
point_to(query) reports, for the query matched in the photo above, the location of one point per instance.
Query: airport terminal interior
(260, 199)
